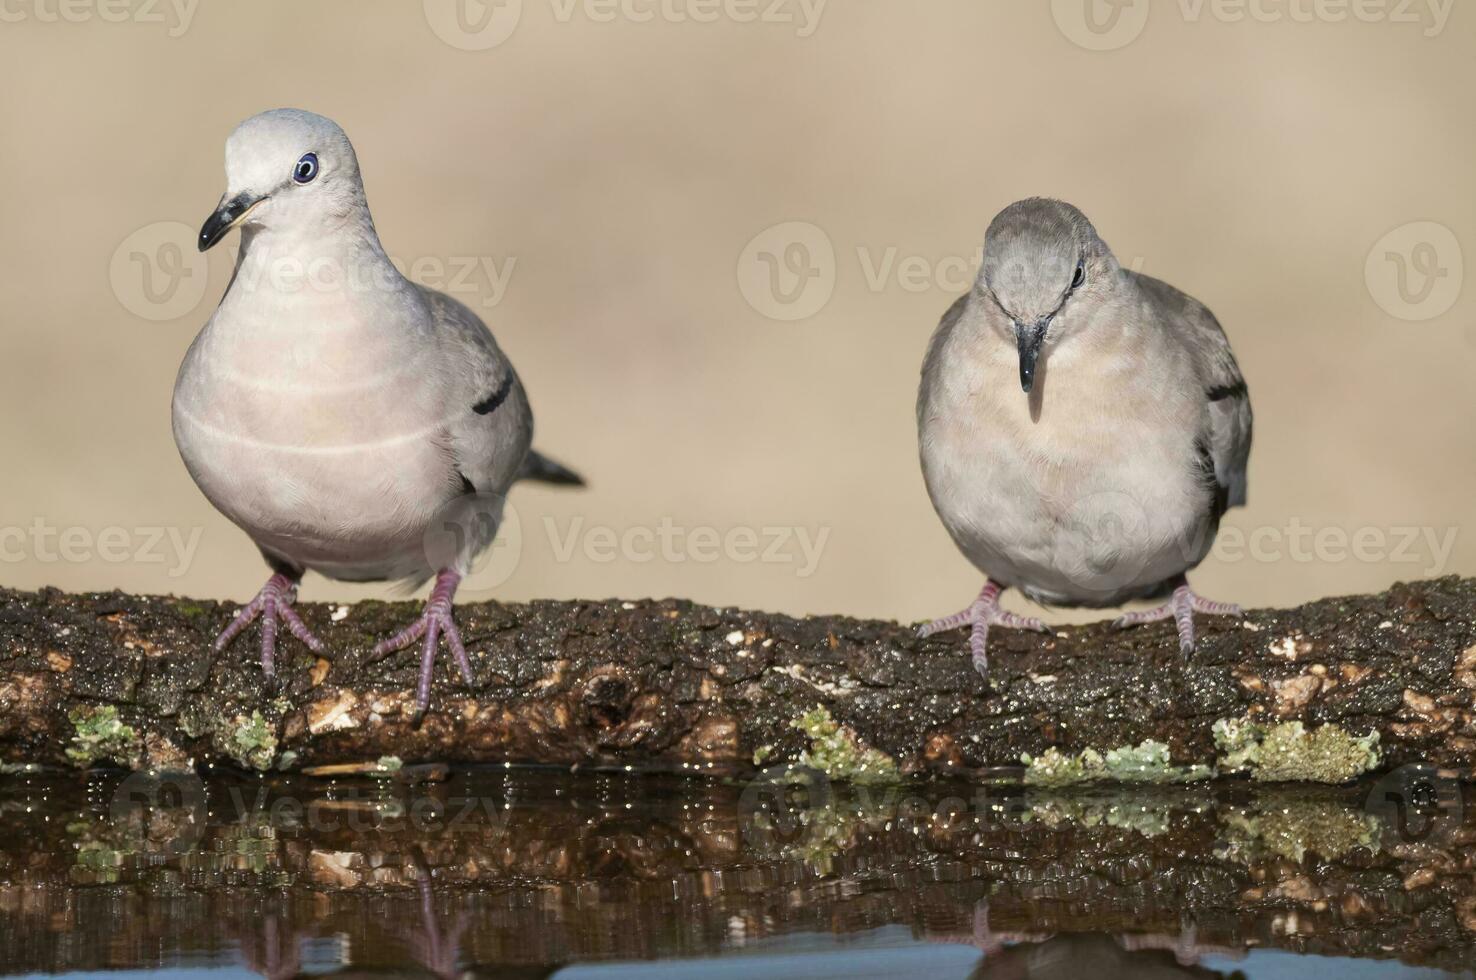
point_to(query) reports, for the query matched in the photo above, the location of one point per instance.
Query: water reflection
(533, 874)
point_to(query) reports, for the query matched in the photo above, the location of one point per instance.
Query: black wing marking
(491, 403)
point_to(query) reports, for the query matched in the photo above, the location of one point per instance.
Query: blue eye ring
(306, 169)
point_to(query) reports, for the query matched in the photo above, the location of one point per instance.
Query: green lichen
(190, 610)
(388, 765)
(252, 742)
(1147, 762)
(1288, 752)
(837, 752)
(99, 734)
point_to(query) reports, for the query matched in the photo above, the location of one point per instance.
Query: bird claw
(435, 622)
(271, 604)
(983, 613)
(1181, 609)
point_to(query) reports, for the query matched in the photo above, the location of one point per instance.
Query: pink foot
(983, 613)
(272, 602)
(432, 624)
(1181, 609)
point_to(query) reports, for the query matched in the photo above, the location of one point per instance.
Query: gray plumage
(340, 414)
(1106, 479)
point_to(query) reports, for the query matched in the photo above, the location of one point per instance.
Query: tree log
(671, 685)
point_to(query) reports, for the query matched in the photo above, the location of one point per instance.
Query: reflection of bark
(672, 685)
(538, 870)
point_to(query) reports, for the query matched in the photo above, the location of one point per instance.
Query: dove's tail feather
(540, 469)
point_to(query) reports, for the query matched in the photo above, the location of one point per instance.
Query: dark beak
(1029, 340)
(225, 218)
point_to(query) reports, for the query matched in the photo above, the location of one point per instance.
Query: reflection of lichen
(1147, 762)
(839, 754)
(817, 835)
(1287, 752)
(388, 765)
(98, 734)
(252, 742)
(1296, 826)
(1148, 817)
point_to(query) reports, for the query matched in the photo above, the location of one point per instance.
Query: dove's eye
(306, 169)
(1081, 275)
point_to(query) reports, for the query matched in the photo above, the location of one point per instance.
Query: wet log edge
(112, 678)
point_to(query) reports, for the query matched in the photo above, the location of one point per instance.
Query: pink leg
(274, 601)
(981, 614)
(432, 624)
(1181, 609)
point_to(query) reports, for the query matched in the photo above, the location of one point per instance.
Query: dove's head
(1045, 267)
(286, 168)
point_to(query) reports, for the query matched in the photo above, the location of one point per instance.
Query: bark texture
(671, 685)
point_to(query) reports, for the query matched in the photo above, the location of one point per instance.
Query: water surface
(534, 873)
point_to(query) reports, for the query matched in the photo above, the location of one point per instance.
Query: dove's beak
(227, 216)
(1029, 339)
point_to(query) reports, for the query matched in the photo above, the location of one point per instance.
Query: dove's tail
(540, 469)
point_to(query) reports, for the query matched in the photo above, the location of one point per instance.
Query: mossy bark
(672, 685)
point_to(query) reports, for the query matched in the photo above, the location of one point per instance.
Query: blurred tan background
(591, 176)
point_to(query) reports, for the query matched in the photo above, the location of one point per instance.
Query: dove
(1082, 429)
(350, 421)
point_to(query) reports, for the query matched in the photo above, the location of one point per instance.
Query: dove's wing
(1228, 436)
(488, 426)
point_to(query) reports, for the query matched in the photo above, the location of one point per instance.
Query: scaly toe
(1016, 622)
